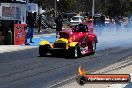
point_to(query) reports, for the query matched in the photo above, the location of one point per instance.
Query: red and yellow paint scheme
(79, 40)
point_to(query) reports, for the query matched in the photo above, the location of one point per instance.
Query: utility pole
(93, 11)
(83, 8)
(55, 8)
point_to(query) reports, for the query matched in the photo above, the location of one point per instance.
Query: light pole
(83, 8)
(93, 11)
(56, 7)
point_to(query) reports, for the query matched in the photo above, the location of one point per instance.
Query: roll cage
(80, 28)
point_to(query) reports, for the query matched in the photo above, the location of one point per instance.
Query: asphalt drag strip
(122, 56)
(20, 53)
(30, 71)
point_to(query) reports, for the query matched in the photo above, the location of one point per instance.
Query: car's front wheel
(43, 50)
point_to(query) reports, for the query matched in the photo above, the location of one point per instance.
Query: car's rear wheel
(74, 52)
(93, 47)
(43, 50)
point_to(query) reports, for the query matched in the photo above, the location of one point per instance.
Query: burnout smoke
(113, 37)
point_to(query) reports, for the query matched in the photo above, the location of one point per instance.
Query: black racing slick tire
(93, 47)
(74, 52)
(43, 50)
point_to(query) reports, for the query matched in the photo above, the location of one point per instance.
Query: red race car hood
(78, 36)
(75, 36)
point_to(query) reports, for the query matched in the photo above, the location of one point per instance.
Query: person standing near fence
(30, 28)
(102, 23)
(59, 24)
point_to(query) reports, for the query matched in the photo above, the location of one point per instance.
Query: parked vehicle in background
(69, 15)
(75, 20)
(107, 22)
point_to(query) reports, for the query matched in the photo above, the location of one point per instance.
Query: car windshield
(75, 18)
(65, 21)
(80, 28)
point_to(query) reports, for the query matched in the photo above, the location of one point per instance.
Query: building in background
(13, 12)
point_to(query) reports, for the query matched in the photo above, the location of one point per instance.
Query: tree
(108, 7)
(67, 5)
(117, 7)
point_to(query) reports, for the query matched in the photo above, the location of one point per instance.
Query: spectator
(30, 28)
(118, 24)
(102, 22)
(99, 26)
(112, 23)
(59, 24)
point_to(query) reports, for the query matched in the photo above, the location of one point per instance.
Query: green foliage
(108, 7)
(67, 5)
(117, 7)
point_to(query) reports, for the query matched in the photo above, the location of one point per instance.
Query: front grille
(59, 45)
